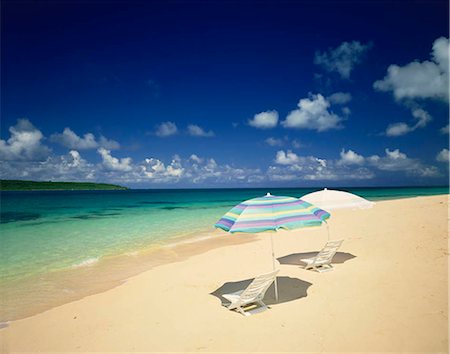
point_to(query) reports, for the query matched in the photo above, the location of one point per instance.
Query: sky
(194, 94)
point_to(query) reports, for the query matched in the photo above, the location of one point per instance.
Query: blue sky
(225, 93)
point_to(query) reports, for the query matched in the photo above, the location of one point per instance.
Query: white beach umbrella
(329, 199)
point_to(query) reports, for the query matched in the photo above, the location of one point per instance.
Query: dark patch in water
(128, 206)
(85, 217)
(172, 208)
(159, 202)
(13, 216)
(94, 216)
(28, 224)
(106, 214)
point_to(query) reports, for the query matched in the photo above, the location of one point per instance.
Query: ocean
(55, 245)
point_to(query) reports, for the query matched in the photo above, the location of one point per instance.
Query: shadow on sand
(289, 289)
(295, 258)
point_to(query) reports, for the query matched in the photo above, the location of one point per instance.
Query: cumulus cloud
(350, 158)
(398, 129)
(166, 129)
(444, 130)
(396, 160)
(311, 168)
(313, 113)
(422, 119)
(113, 163)
(25, 143)
(69, 167)
(195, 158)
(342, 59)
(155, 170)
(350, 166)
(71, 140)
(286, 158)
(443, 156)
(274, 141)
(195, 130)
(340, 98)
(264, 120)
(420, 80)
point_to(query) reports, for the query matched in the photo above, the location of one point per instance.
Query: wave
(86, 262)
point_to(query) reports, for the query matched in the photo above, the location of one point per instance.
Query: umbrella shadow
(289, 289)
(296, 258)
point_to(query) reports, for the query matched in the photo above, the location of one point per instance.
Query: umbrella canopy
(271, 213)
(333, 199)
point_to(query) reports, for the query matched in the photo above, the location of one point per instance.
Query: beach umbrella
(271, 213)
(330, 199)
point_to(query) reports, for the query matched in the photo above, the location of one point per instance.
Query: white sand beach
(388, 292)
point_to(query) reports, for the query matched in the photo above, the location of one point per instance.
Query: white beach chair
(322, 261)
(253, 294)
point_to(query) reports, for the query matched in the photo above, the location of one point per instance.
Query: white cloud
(71, 140)
(311, 168)
(25, 143)
(195, 130)
(350, 166)
(395, 160)
(70, 167)
(113, 163)
(195, 158)
(166, 129)
(340, 98)
(274, 141)
(398, 129)
(313, 113)
(264, 120)
(350, 158)
(286, 158)
(156, 171)
(444, 130)
(108, 144)
(401, 128)
(342, 59)
(443, 156)
(420, 80)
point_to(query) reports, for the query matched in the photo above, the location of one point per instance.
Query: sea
(57, 246)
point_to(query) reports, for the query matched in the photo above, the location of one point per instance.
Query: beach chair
(322, 261)
(253, 294)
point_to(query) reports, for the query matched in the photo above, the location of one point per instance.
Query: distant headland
(18, 185)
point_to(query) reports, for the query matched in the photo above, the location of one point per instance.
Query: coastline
(387, 277)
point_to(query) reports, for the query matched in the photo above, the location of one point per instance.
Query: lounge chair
(253, 294)
(322, 261)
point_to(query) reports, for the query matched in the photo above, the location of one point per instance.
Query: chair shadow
(295, 258)
(289, 289)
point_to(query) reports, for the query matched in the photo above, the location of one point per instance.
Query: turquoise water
(59, 232)
(45, 231)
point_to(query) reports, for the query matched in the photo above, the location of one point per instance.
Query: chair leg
(240, 310)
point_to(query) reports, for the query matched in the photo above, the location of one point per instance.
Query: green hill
(16, 185)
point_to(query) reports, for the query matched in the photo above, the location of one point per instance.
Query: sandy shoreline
(388, 292)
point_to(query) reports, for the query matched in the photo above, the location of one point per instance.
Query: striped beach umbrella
(271, 213)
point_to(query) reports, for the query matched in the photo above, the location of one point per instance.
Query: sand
(387, 293)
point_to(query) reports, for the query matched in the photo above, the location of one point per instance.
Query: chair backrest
(258, 287)
(327, 253)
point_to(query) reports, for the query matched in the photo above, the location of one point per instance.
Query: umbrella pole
(328, 230)
(273, 263)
